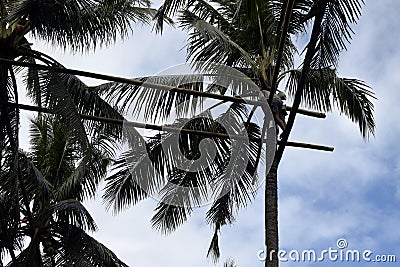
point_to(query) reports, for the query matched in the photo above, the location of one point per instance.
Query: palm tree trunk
(271, 217)
(271, 183)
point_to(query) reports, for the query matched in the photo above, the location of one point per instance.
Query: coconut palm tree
(53, 230)
(256, 38)
(77, 25)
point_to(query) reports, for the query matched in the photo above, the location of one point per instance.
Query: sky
(352, 193)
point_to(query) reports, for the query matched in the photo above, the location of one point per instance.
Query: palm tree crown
(246, 35)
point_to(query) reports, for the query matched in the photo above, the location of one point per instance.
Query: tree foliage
(244, 35)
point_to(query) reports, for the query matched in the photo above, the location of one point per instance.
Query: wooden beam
(309, 113)
(168, 128)
(309, 146)
(151, 85)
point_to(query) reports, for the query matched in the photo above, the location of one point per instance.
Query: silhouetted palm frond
(325, 90)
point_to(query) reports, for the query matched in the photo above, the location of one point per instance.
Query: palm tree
(256, 38)
(54, 228)
(75, 25)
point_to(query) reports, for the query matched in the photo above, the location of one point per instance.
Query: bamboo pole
(169, 128)
(152, 85)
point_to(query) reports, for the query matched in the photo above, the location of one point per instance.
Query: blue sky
(352, 193)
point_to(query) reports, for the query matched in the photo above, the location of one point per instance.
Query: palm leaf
(209, 44)
(73, 173)
(80, 24)
(168, 9)
(335, 30)
(213, 250)
(187, 189)
(122, 189)
(324, 90)
(9, 223)
(35, 184)
(298, 18)
(80, 249)
(88, 102)
(183, 191)
(70, 212)
(156, 104)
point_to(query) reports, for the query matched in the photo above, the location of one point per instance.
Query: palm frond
(67, 96)
(54, 198)
(169, 217)
(233, 187)
(140, 171)
(31, 79)
(353, 99)
(35, 183)
(237, 177)
(221, 211)
(168, 9)
(80, 249)
(298, 17)
(209, 44)
(70, 212)
(57, 98)
(184, 190)
(88, 102)
(84, 180)
(213, 250)
(9, 224)
(336, 30)
(28, 256)
(122, 189)
(53, 148)
(73, 173)
(9, 116)
(80, 24)
(157, 104)
(217, 12)
(325, 90)
(85, 100)
(187, 189)
(229, 38)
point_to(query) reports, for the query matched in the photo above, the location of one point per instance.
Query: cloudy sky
(352, 193)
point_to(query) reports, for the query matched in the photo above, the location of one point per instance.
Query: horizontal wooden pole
(169, 128)
(151, 85)
(309, 146)
(309, 113)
